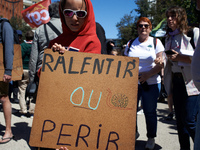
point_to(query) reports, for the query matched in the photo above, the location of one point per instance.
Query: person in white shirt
(148, 49)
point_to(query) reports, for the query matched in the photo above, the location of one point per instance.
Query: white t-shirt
(147, 54)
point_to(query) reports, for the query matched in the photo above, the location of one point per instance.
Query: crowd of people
(73, 22)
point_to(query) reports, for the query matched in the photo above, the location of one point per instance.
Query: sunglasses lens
(81, 14)
(68, 13)
(145, 25)
(140, 25)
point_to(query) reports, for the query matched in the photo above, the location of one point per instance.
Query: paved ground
(166, 136)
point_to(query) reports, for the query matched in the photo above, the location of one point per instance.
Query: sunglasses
(143, 25)
(70, 13)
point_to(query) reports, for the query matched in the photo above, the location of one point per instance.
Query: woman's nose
(75, 17)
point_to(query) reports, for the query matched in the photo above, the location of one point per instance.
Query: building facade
(10, 8)
(13, 8)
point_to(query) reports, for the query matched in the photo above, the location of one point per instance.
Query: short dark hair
(54, 10)
(29, 35)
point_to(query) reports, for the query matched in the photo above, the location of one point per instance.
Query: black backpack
(15, 35)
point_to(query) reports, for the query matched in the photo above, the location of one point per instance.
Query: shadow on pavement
(162, 118)
(140, 145)
(21, 131)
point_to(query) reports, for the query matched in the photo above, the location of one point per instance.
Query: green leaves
(155, 10)
(19, 24)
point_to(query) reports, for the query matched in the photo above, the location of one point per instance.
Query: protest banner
(37, 14)
(17, 70)
(86, 101)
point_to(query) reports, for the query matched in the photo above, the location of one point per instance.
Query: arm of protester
(159, 64)
(179, 57)
(159, 61)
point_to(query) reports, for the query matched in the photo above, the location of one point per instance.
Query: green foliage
(155, 11)
(189, 5)
(143, 7)
(125, 28)
(18, 24)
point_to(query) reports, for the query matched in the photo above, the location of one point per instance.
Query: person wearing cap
(19, 32)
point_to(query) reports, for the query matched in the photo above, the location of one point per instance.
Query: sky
(109, 12)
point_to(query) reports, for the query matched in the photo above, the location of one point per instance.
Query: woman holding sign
(177, 74)
(148, 49)
(79, 29)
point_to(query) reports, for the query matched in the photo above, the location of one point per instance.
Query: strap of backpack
(129, 45)
(46, 34)
(191, 34)
(155, 42)
(54, 28)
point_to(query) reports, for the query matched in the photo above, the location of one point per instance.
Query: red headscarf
(86, 39)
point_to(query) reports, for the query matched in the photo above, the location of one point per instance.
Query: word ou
(83, 98)
(42, 15)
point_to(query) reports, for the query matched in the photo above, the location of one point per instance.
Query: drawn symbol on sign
(117, 101)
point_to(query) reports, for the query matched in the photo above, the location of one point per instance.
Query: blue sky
(109, 12)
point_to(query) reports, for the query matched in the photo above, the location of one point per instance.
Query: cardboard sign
(86, 102)
(17, 70)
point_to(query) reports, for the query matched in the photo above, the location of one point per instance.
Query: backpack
(190, 33)
(15, 35)
(131, 41)
(53, 28)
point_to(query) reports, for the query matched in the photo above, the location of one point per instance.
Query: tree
(155, 10)
(158, 10)
(18, 24)
(125, 28)
(143, 8)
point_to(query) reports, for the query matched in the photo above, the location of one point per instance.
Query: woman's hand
(6, 78)
(179, 57)
(173, 57)
(58, 47)
(143, 77)
(63, 148)
(159, 61)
